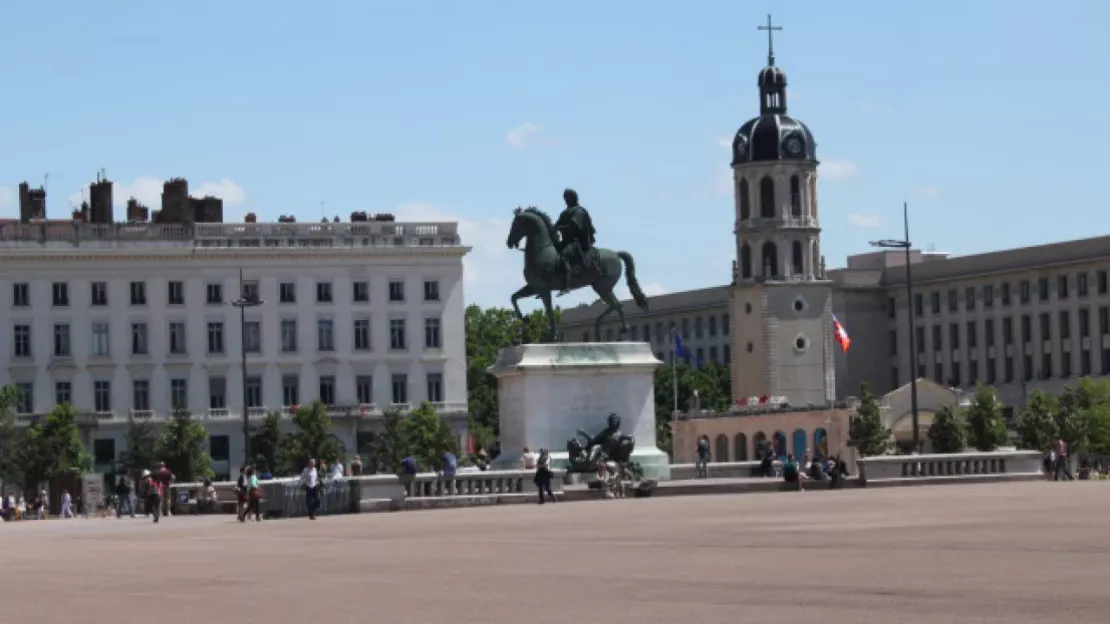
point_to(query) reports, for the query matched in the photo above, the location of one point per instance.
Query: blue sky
(989, 117)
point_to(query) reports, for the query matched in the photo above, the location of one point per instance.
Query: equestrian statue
(562, 257)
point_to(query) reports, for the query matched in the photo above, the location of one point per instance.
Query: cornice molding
(174, 254)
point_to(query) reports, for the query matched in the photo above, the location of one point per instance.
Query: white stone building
(134, 321)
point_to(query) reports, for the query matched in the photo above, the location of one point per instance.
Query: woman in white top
(529, 459)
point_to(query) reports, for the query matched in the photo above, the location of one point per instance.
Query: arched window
(800, 443)
(767, 198)
(740, 450)
(813, 257)
(820, 443)
(720, 453)
(795, 197)
(759, 444)
(745, 201)
(745, 261)
(797, 265)
(778, 444)
(770, 260)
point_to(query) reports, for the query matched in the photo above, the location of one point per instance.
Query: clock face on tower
(793, 146)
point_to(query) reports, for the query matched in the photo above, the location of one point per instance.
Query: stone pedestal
(546, 392)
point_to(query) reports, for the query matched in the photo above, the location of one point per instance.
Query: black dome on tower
(773, 135)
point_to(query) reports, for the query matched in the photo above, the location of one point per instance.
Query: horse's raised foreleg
(526, 291)
(552, 330)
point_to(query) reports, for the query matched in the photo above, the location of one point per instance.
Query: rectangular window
(360, 292)
(969, 298)
(711, 329)
(988, 296)
(60, 293)
(61, 340)
(397, 333)
(288, 335)
(891, 307)
(102, 395)
(364, 389)
(1008, 369)
(139, 345)
(327, 390)
(1084, 363)
(138, 293)
(956, 380)
(435, 387)
(325, 335)
(893, 376)
(992, 371)
(988, 331)
(400, 385)
(1062, 287)
(21, 295)
(1081, 286)
(323, 292)
(1065, 325)
(918, 308)
(1027, 367)
(253, 336)
(953, 336)
(396, 290)
(1065, 364)
(176, 294)
(63, 392)
(431, 333)
(290, 390)
(21, 340)
(919, 337)
(698, 330)
(972, 335)
(1104, 323)
(214, 295)
(1007, 331)
(1024, 294)
(24, 397)
(216, 337)
(954, 300)
(1026, 329)
(1084, 322)
(100, 342)
(179, 394)
(219, 448)
(934, 302)
(98, 293)
(1042, 289)
(938, 374)
(177, 337)
(217, 393)
(726, 354)
(713, 354)
(1046, 366)
(1005, 293)
(249, 291)
(362, 335)
(1045, 326)
(892, 338)
(140, 395)
(1102, 279)
(937, 344)
(287, 292)
(647, 330)
(254, 392)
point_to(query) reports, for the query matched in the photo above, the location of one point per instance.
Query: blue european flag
(680, 350)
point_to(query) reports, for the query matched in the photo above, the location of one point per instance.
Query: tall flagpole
(674, 368)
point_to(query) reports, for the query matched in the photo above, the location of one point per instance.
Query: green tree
(866, 431)
(1036, 427)
(487, 332)
(387, 448)
(50, 446)
(427, 436)
(311, 440)
(266, 440)
(713, 384)
(9, 435)
(948, 432)
(1098, 429)
(141, 450)
(183, 446)
(985, 426)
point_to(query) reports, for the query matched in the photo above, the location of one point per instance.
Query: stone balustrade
(937, 468)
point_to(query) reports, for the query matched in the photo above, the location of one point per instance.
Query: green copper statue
(562, 257)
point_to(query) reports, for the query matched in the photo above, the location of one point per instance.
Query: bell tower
(781, 304)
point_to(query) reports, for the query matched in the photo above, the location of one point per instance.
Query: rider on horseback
(576, 232)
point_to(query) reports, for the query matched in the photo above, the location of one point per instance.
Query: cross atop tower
(770, 39)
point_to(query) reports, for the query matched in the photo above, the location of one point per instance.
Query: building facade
(134, 321)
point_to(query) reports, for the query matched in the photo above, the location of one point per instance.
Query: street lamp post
(243, 302)
(906, 245)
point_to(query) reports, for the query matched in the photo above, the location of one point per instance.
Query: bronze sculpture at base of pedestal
(608, 455)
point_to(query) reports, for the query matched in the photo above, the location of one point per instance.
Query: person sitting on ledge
(790, 473)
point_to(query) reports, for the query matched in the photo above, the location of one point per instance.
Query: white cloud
(835, 169)
(527, 135)
(927, 192)
(149, 192)
(865, 219)
(7, 198)
(493, 272)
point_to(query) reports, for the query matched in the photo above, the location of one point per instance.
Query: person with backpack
(241, 494)
(154, 494)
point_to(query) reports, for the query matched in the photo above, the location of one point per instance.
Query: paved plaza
(1021, 552)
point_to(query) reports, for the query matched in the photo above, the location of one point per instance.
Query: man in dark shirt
(165, 478)
(123, 498)
(703, 457)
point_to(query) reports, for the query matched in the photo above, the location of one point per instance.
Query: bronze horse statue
(543, 266)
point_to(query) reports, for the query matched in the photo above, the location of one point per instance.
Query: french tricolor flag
(841, 334)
